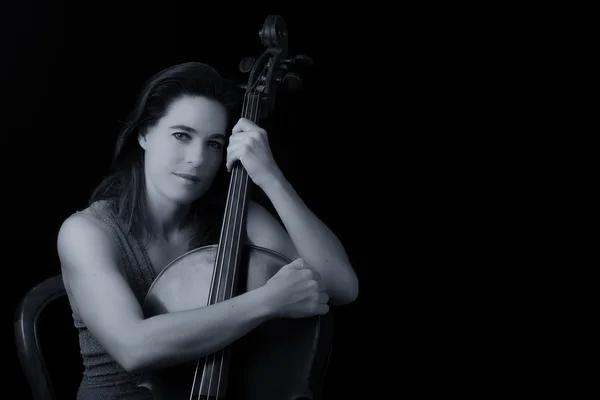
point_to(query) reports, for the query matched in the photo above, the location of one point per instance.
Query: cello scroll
(272, 68)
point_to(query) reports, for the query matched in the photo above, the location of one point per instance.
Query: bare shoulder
(264, 230)
(97, 289)
(81, 241)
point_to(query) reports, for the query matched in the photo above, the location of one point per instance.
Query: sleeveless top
(103, 378)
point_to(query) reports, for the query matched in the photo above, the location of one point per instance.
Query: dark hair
(125, 185)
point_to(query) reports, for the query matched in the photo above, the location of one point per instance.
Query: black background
(379, 144)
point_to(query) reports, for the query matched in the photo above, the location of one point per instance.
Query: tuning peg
(291, 81)
(306, 60)
(246, 65)
(302, 59)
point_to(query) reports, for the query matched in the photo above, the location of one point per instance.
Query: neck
(167, 217)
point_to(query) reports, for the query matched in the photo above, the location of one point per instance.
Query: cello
(281, 359)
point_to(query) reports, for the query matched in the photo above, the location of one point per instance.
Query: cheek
(162, 159)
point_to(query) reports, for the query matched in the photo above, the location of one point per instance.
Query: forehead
(199, 113)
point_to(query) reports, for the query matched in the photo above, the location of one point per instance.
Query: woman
(158, 204)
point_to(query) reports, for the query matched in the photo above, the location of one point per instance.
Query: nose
(196, 155)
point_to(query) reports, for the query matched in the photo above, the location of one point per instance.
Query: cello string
(237, 230)
(240, 216)
(210, 295)
(228, 277)
(218, 268)
(225, 232)
(243, 197)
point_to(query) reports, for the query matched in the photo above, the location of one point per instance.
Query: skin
(99, 293)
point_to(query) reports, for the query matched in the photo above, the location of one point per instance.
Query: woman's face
(184, 150)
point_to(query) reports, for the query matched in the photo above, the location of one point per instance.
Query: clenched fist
(297, 291)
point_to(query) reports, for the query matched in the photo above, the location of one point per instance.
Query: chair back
(28, 335)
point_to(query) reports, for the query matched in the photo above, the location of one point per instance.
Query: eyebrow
(192, 130)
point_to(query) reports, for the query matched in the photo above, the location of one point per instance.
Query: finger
(323, 298)
(322, 286)
(233, 155)
(322, 309)
(316, 275)
(238, 127)
(245, 124)
(235, 146)
(249, 138)
(244, 134)
(297, 263)
(236, 138)
(241, 144)
(236, 151)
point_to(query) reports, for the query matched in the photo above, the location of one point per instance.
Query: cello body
(282, 359)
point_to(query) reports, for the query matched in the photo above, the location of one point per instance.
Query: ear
(142, 140)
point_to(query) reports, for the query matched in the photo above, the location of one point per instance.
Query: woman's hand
(250, 145)
(296, 291)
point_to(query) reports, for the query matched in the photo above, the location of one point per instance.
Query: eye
(182, 136)
(214, 144)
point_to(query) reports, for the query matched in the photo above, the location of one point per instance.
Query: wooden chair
(36, 339)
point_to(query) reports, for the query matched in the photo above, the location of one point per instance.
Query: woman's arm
(101, 296)
(304, 236)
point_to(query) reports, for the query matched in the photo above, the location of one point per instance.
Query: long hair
(125, 185)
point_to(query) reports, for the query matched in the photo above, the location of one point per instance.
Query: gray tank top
(103, 378)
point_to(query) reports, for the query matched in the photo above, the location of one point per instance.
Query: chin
(187, 197)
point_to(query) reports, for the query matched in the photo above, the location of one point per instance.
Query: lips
(189, 177)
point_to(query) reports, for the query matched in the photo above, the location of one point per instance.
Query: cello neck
(227, 265)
